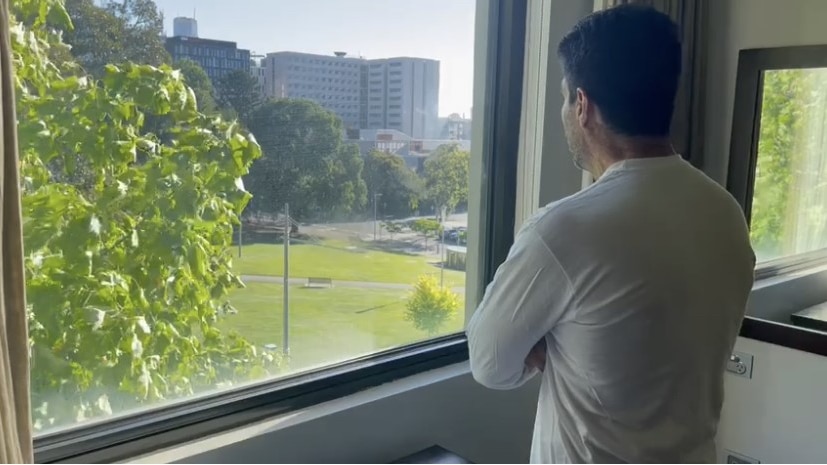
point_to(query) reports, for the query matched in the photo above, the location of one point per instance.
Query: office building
(403, 94)
(395, 93)
(216, 57)
(413, 151)
(335, 82)
(257, 70)
(184, 27)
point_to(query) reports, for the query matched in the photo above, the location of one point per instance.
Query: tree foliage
(392, 228)
(306, 162)
(426, 227)
(781, 120)
(239, 91)
(126, 276)
(117, 32)
(446, 178)
(196, 78)
(429, 306)
(397, 187)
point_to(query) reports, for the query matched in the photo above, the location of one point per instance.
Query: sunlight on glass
(231, 195)
(789, 209)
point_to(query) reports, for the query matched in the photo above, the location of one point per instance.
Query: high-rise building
(395, 93)
(334, 82)
(184, 27)
(403, 94)
(216, 57)
(257, 70)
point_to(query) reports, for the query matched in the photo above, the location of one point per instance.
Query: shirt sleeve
(529, 294)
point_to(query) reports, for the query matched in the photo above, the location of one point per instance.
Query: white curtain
(15, 413)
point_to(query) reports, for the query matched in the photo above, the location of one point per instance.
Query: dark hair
(627, 59)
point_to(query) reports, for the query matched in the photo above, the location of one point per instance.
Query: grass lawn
(334, 260)
(327, 325)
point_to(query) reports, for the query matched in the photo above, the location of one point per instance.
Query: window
(789, 205)
(158, 280)
(780, 176)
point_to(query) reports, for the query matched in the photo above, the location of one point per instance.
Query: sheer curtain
(15, 413)
(687, 127)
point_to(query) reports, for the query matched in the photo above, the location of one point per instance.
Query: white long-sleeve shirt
(638, 284)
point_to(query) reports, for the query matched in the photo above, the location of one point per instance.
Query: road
(336, 283)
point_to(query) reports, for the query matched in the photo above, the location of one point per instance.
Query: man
(628, 295)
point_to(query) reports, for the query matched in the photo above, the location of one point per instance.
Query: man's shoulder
(562, 210)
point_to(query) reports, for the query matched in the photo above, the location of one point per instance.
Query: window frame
(743, 160)
(128, 435)
(746, 129)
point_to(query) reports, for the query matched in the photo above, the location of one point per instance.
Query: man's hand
(537, 356)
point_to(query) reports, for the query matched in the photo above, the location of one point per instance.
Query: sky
(438, 29)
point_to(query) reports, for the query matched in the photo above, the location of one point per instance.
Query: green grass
(327, 325)
(334, 260)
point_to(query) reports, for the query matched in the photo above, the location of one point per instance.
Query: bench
(319, 282)
(434, 454)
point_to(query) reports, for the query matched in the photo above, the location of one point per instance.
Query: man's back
(659, 263)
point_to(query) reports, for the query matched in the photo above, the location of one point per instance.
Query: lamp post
(375, 213)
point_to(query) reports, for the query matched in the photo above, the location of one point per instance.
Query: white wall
(740, 24)
(779, 415)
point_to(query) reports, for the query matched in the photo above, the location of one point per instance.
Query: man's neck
(627, 148)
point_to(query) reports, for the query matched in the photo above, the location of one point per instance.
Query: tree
(426, 227)
(127, 276)
(429, 306)
(392, 228)
(446, 178)
(396, 186)
(306, 162)
(239, 91)
(196, 78)
(118, 32)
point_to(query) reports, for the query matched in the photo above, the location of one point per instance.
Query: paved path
(336, 283)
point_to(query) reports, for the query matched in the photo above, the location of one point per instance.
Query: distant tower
(184, 27)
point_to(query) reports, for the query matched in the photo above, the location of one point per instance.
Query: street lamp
(375, 218)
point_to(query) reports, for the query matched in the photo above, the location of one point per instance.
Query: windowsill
(182, 452)
(773, 300)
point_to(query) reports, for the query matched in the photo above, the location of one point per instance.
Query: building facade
(216, 57)
(258, 71)
(412, 150)
(401, 94)
(334, 82)
(184, 27)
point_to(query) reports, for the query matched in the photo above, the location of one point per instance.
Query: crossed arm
(527, 297)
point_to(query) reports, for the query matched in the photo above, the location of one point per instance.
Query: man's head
(621, 68)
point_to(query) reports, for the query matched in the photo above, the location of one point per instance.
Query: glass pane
(789, 209)
(211, 200)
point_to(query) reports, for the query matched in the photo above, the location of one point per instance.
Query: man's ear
(583, 108)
